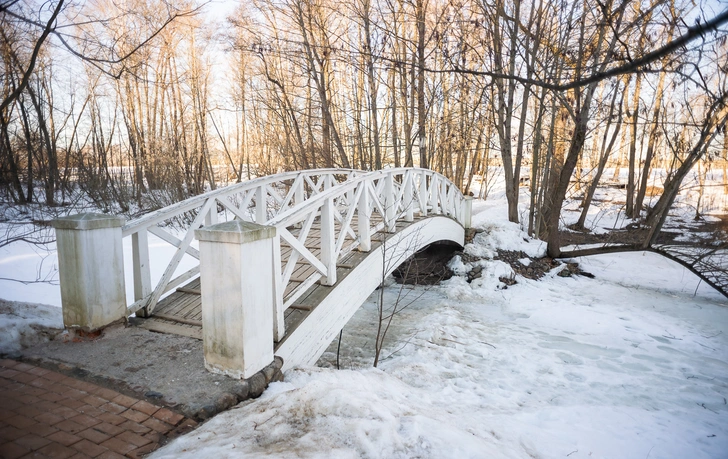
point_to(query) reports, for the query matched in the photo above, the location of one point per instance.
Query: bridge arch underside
(311, 332)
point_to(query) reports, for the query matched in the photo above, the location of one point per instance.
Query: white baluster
(211, 217)
(260, 205)
(467, 212)
(298, 197)
(328, 242)
(390, 206)
(408, 197)
(142, 273)
(422, 194)
(363, 212)
(434, 194)
(279, 324)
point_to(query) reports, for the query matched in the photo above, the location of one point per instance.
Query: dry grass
(654, 191)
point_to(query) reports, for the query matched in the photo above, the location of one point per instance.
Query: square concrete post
(238, 296)
(91, 270)
(468, 212)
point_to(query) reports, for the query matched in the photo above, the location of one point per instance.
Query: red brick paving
(47, 414)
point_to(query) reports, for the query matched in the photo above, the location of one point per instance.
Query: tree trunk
(421, 108)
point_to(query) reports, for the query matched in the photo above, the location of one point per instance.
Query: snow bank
(630, 364)
(26, 324)
(29, 273)
(499, 233)
(344, 414)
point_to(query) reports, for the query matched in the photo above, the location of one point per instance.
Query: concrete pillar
(91, 269)
(238, 297)
(468, 212)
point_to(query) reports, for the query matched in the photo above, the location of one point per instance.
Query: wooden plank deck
(181, 312)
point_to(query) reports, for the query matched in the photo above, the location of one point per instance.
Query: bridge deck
(181, 312)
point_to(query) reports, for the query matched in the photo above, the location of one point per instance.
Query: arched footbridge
(275, 265)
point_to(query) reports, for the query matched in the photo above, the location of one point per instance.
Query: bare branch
(635, 65)
(33, 57)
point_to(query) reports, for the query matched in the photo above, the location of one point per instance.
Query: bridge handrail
(258, 190)
(192, 202)
(417, 190)
(298, 198)
(348, 185)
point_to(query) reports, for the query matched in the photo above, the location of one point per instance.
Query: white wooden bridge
(282, 262)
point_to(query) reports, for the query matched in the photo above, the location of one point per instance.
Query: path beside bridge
(44, 413)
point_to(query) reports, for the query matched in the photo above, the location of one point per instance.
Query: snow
(499, 233)
(29, 272)
(630, 364)
(27, 324)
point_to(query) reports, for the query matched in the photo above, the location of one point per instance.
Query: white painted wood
(171, 285)
(177, 257)
(310, 339)
(294, 195)
(315, 186)
(295, 254)
(363, 213)
(302, 250)
(346, 222)
(341, 204)
(328, 242)
(194, 202)
(236, 211)
(301, 289)
(273, 193)
(434, 194)
(328, 181)
(408, 197)
(172, 240)
(298, 185)
(140, 259)
(244, 206)
(442, 197)
(260, 205)
(375, 201)
(91, 269)
(279, 324)
(306, 193)
(299, 194)
(211, 217)
(468, 212)
(390, 204)
(422, 194)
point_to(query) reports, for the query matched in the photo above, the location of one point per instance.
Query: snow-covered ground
(630, 364)
(26, 324)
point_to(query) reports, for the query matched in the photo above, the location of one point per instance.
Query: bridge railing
(291, 202)
(347, 216)
(257, 200)
(319, 217)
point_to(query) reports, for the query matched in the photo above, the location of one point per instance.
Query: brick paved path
(46, 414)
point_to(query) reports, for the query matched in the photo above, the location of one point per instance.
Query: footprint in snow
(636, 367)
(574, 377)
(650, 358)
(569, 359)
